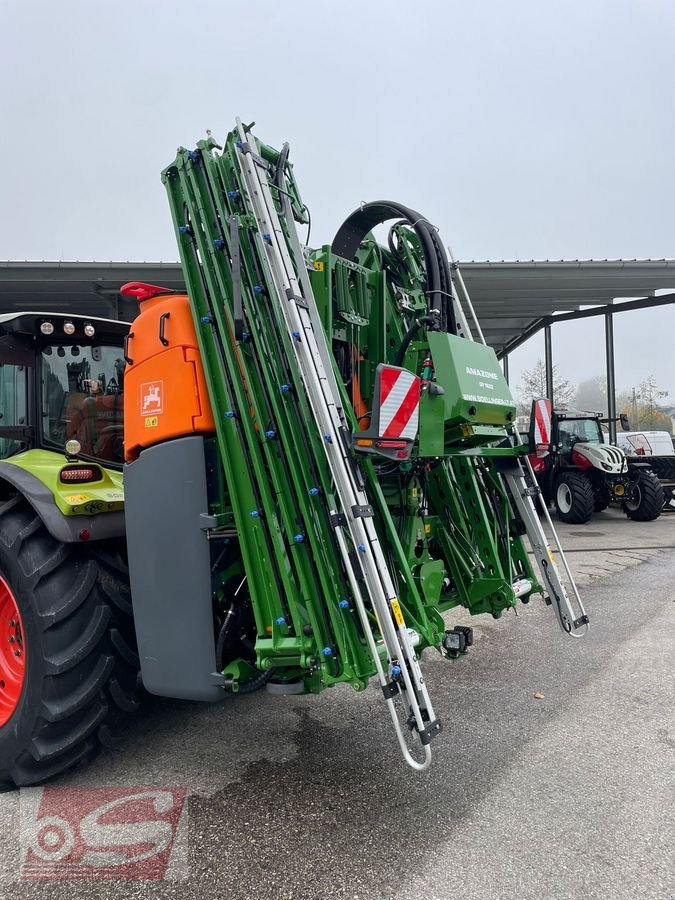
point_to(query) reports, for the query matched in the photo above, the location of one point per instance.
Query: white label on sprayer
(152, 398)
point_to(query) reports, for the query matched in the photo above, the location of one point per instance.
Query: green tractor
(282, 477)
(68, 660)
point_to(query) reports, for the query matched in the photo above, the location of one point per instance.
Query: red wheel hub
(12, 653)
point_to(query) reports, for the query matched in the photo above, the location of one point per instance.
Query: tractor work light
(68, 328)
(73, 447)
(89, 329)
(47, 328)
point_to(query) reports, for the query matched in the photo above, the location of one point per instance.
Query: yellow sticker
(550, 555)
(318, 266)
(427, 528)
(398, 615)
(413, 492)
(151, 421)
(77, 498)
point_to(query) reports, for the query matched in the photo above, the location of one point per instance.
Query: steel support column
(611, 384)
(548, 362)
(505, 366)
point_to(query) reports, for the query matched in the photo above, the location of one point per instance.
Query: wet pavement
(569, 796)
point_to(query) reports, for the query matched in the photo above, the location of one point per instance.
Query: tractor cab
(574, 428)
(62, 386)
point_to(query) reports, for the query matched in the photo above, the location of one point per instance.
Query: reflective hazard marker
(542, 421)
(394, 418)
(399, 403)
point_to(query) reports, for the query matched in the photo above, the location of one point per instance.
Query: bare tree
(643, 410)
(533, 385)
(648, 393)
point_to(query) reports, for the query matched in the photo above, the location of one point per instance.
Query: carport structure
(516, 300)
(513, 300)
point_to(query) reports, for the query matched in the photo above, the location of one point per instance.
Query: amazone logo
(481, 373)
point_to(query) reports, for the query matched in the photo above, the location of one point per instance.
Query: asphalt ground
(569, 796)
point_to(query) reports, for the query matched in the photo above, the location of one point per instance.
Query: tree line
(641, 403)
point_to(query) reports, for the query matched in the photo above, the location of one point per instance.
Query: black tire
(81, 664)
(649, 500)
(573, 497)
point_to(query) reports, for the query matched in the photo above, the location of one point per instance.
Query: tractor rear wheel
(574, 498)
(648, 499)
(68, 660)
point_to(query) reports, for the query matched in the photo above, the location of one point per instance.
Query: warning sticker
(151, 421)
(398, 615)
(77, 498)
(152, 398)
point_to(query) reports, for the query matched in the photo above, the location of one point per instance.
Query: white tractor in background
(580, 474)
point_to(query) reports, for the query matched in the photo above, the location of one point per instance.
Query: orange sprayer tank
(165, 393)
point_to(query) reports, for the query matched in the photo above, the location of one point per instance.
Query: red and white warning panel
(395, 414)
(541, 420)
(540, 433)
(399, 403)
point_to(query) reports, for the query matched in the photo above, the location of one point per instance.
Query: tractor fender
(66, 529)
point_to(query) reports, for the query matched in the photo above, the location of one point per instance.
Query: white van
(645, 443)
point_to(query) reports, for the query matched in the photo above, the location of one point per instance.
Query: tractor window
(82, 398)
(571, 431)
(12, 406)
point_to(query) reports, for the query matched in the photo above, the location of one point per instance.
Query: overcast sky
(523, 129)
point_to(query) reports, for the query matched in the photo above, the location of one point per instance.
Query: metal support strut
(611, 384)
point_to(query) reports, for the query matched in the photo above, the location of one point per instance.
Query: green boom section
(444, 514)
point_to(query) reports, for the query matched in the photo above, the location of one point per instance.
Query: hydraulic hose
(410, 335)
(362, 221)
(281, 167)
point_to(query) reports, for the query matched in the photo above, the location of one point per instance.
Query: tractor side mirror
(625, 424)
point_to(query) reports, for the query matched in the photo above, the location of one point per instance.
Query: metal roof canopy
(87, 288)
(513, 300)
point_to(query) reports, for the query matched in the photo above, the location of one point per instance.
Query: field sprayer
(282, 477)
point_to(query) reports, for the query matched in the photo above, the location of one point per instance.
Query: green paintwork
(475, 404)
(443, 516)
(92, 498)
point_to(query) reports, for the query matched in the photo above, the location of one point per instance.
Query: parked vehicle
(645, 443)
(581, 474)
